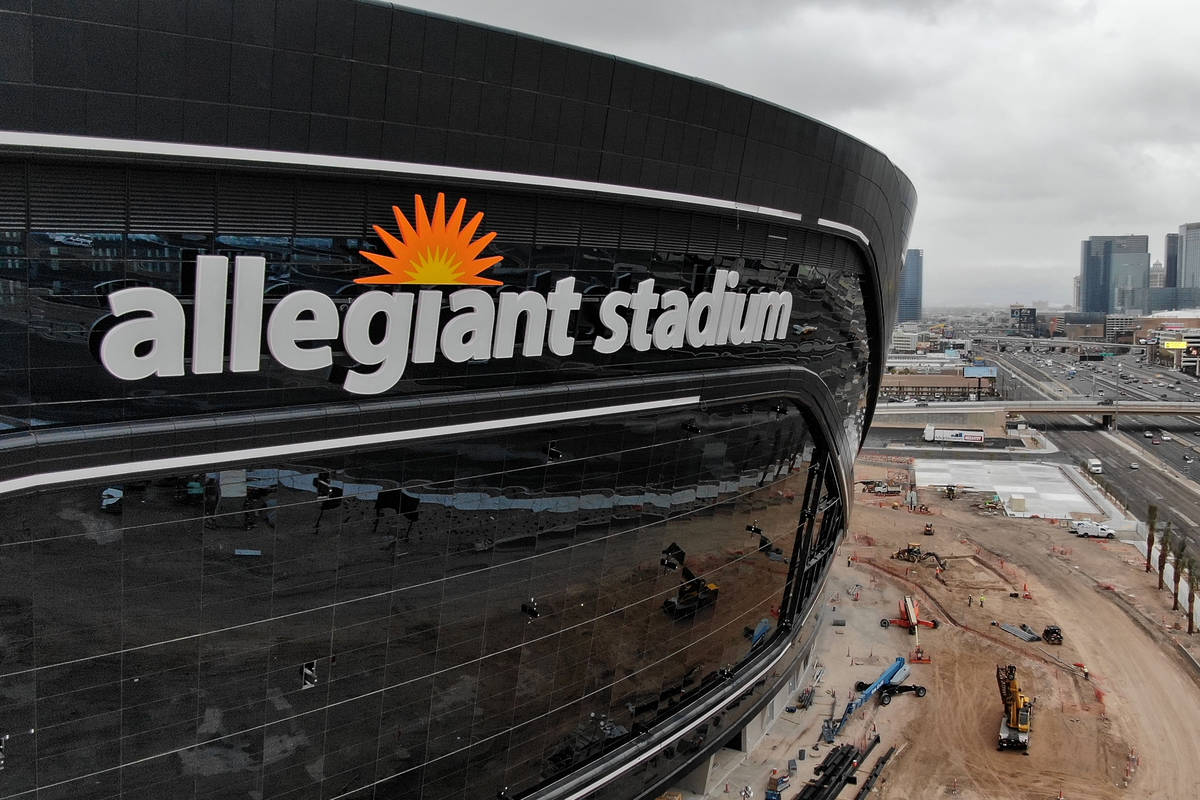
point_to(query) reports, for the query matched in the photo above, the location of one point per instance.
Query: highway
(1164, 476)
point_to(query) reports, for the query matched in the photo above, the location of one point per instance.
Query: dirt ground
(1132, 730)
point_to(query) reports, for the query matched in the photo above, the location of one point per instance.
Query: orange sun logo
(436, 251)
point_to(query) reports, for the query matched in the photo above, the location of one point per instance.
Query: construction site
(964, 653)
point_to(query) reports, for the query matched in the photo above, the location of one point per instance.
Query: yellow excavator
(1018, 710)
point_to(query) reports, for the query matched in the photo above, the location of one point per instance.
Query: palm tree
(1164, 547)
(1151, 522)
(1177, 572)
(1193, 585)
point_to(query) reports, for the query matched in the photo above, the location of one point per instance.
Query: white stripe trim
(841, 226)
(70, 476)
(209, 152)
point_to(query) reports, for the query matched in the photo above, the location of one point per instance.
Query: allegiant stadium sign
(384, 331)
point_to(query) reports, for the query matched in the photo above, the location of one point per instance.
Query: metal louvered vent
(74, 198)
(171, 201)
(703, 239)
(639, 228)
(558, 222)
(730, 236)
(673, 230)
(601, 227)
(255, 204)
(12, 196)
(754, 243)
(512, 218)
(797, 245)
(329, 207)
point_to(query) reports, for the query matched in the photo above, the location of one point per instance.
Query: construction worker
(970, 600)
(981, 601)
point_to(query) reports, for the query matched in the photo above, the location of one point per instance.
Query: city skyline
(999, 133)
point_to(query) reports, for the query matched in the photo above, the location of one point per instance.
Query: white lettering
(561, 302)
(162, 328)
(610, 317)
(425, 333)
(512, 306)
(390, 352)
(643, 301)
(777, 312)
(208, 315)
(704, 314)
(469, 335)
(245, 333)
(303, 316)
(671, 326)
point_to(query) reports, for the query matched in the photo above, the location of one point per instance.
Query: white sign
(150, 335)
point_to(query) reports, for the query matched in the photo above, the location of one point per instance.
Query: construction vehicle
(881, 487)
(1052, 635)
(1018, 710)
(695, 593)
(916, 555)
(894, 686)
(928, 529)
(887, 692)
(910, 617)
(830, 729)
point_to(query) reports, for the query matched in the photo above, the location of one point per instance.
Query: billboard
(1174, 345)
(1025, 316)
(979, 372)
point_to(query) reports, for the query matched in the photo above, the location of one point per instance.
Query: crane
(1018, 710)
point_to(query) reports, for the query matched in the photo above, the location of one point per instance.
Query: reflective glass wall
(439, 620)
(83, 233)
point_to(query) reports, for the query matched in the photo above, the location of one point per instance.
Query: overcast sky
(1026, 125)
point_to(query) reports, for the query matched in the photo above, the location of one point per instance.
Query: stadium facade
(396, 407)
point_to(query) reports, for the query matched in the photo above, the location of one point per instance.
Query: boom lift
(910, 617)
(1018, 710)
(830, 729)
(695, 593)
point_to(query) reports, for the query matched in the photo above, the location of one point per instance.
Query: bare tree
(1164, 548)
(1177, 573)
(1151, 523)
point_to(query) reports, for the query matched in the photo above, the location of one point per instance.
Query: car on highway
(1156, 440)
(1188, 459)
(1150, 435)
(1166, 437)
(1135, 465)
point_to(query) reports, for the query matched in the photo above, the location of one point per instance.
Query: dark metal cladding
(529, 575)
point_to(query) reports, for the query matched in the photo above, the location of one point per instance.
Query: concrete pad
(1049, 492)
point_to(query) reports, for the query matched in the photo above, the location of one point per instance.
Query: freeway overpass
(1022, 341)
(992, 414)
(1081, 406)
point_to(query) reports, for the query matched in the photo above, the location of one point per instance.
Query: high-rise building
(1171, 260)
(1189, 256)
(416, 423)
(1075, 295)
(1110, 269)
(1157, 275)
(911, 286)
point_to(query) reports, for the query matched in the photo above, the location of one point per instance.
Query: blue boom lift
(829, 729)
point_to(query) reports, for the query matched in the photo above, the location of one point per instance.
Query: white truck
(1087, 529)
(1094, 466)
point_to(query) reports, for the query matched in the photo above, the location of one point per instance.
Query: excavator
(695, 593)
(1018, 710)
(914, 554)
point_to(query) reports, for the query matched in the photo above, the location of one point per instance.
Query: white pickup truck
(1086, 529)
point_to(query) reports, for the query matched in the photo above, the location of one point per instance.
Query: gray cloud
(1026, 125)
